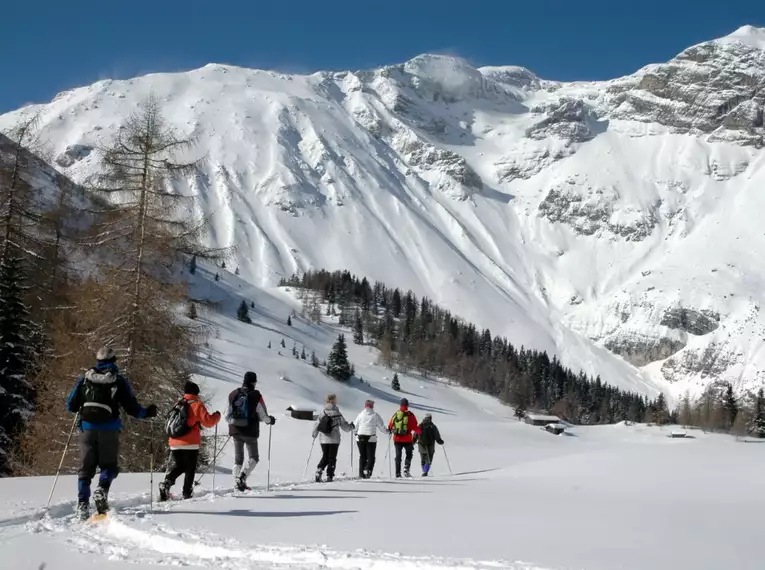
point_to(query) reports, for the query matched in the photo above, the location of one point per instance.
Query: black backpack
(428, 435)
(177, 423)
(326, 424)
(99, 393)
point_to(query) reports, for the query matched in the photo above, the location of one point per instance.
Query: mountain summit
(613, 223)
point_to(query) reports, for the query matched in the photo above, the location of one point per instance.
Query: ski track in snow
(130, 534)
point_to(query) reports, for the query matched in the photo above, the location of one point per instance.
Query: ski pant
(240, 442)
(183, 462)
(99, 449)
(328, 458)
(409, 448)
(367, 451)
(427, 452)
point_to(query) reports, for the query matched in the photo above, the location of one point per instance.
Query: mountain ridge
(571, 217)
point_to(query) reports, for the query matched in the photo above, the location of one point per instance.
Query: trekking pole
(206, 471)
(268, 476)
(63, 455)
(151, 466)
(387, 458)
(351, 442)
(313, 442)
(449, 465)
(215, 455)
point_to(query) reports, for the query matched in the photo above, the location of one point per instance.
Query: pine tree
(283, 344)
(686, 410)
(358, 329)
(223, 265)
(314, 359)
(353, 369)
(729, 406)
(520, 410)
(252, 304)
(395, 384)
(294, 349)
(324, 363)
(192, 310)
(269, 344)
(659, 412)
(243, 313)
(338, 366)
(236, 271)
(302, 354)
(217, 277)
(193, 265)
(289, 321)
(16, 349)
(757, 425)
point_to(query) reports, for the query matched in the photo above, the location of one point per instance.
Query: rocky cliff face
(615, 223)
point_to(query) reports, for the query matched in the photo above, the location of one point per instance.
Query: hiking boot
(164, 491)
(83, 510)
(330, 478)
(424, 473)
(241, 484)
(407, 474)
(318, 476)
(100, 500)
(188, 495)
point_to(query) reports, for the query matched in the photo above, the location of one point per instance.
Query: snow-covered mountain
(614, 223)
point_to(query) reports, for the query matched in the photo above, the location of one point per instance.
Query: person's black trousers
(367, 452)
(328, 458)
(409, 448)
(183, 462)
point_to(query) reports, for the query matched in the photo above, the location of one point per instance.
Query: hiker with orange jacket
(402, 425)
(184, 450)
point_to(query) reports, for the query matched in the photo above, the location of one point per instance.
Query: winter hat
(428, 416)
(106, 354)
(191, 388)
(369, 404)
(404, 402)
(250, 378)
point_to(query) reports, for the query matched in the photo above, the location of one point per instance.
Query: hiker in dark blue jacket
(97, 397)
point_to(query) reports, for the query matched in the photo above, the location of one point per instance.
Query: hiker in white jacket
(367, 424)
(329, 440)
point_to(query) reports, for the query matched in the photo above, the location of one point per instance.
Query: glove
(314, 435)
(216, 415)
(390, 431)
(271, 420)
(151, 411)
(353, 427)
(440, 442)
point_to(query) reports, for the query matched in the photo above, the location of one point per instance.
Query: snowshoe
(83, 510)
(241, 485)
(100, 500)
(164, 492)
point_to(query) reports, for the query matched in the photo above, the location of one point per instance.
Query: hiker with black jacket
(427, 439)
(245, 412)
(328, 429)
(97, 397)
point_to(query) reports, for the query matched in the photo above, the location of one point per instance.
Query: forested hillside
(416, 334)
(81, 268)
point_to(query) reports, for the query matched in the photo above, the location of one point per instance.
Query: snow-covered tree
(236, 271)
(314, 359)
(289, 321)
(757, 425)
(192, 310)
(283, 344)
(243, 313)
(303, 354)
(729, 406)
(217, 277)
(252, 304)
(358, 329)
(16, 350)
(338, 366)
(193, 265)
(395, 384)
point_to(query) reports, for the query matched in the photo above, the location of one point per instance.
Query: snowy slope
(613, 223)
(519, 498)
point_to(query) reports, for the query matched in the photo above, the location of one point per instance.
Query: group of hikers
(403, 428)
(99, 394)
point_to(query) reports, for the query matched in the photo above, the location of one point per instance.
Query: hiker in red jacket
(184, 450)
(402, 425)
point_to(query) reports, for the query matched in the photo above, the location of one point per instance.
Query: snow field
(601, 498)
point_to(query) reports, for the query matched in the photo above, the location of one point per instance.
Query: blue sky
(55, 45)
